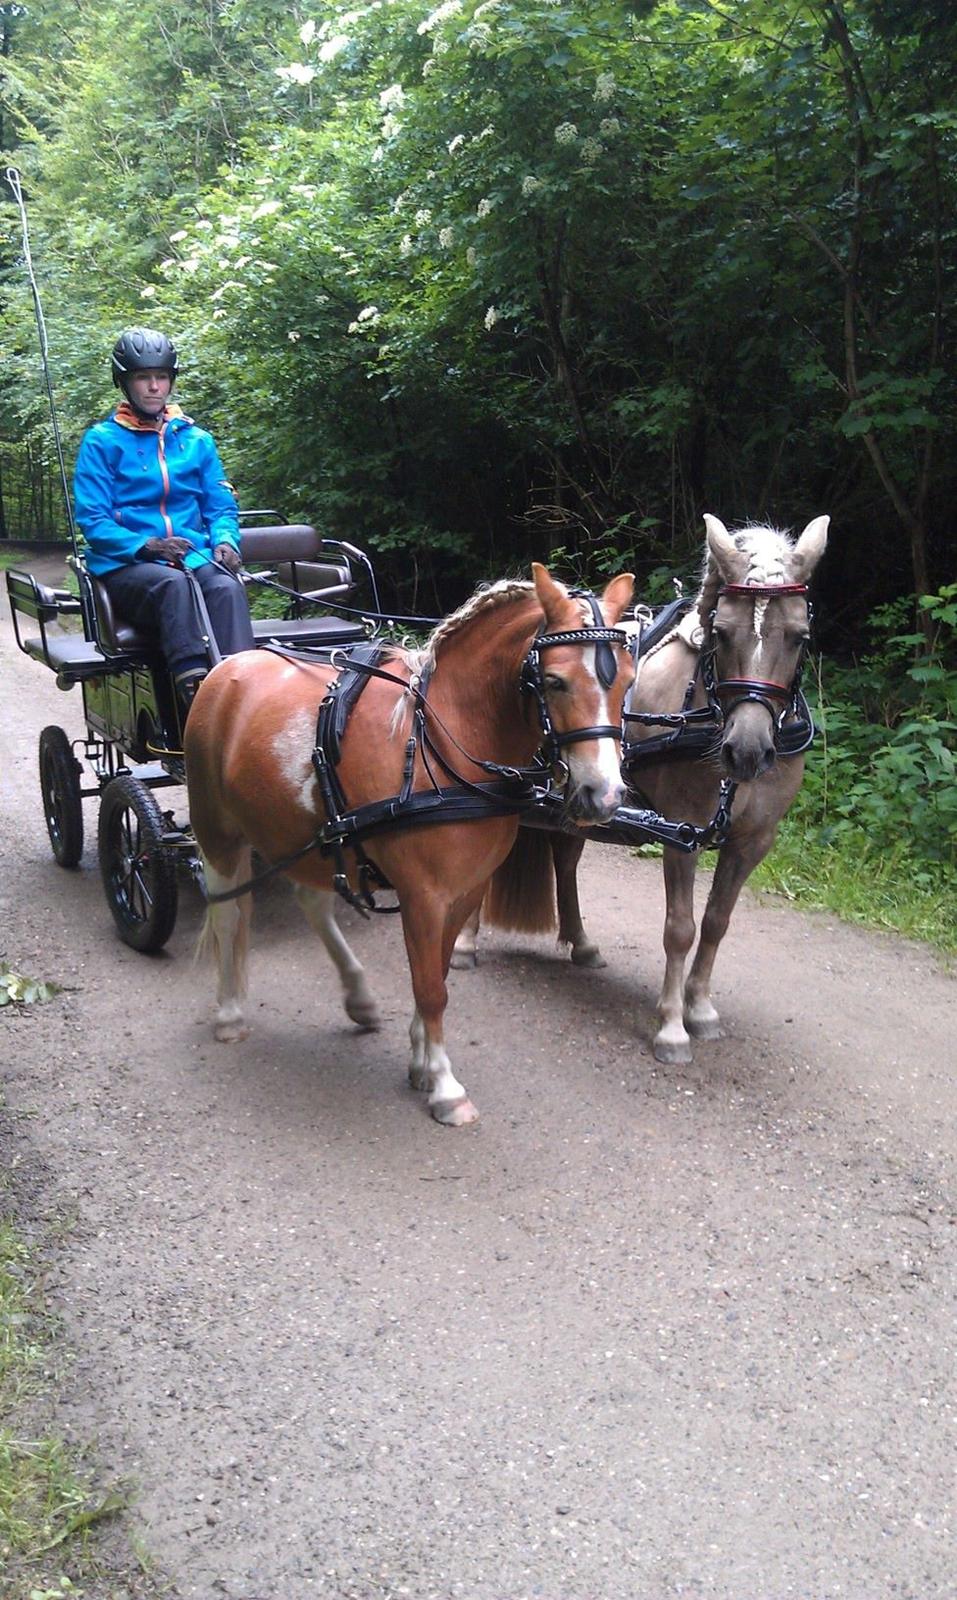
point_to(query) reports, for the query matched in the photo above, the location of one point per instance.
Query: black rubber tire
(138, 869)
(62, 804)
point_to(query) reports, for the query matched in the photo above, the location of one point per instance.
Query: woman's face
(149, 390)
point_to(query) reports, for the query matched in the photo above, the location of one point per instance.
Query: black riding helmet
(139, 350)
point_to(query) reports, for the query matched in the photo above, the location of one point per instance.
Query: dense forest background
(486, 281)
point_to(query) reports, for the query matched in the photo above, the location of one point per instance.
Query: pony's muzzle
(748, 749)
(595, 798)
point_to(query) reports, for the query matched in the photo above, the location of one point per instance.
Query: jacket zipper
(164, 474)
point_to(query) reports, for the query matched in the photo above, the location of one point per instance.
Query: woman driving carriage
(157, 512)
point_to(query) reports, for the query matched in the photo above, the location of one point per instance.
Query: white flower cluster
(487, 5)
(480, 36)
(296, 72)
(491, 317)
(393, 98)
(423, 217)
(471, 256)
(609, 127)
(390, 126)
(405, 245)
(566, 133)
(483, 208)
(605, 87)
(367, 318)
(446, 238)
(591, 149)
(456, 143)
(530, 185)
(333, 47)
(449, 8)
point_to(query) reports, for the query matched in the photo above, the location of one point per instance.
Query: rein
(517, 789)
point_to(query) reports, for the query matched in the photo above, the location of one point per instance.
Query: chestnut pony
(749, 628)
(516, 662)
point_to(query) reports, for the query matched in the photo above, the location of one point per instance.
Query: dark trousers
(151, 594)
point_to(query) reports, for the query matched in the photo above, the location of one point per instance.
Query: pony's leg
(737, 859)
(465, 948)
(671, 1041)
(566, 853)
(319, 908)
(226, 929)
(429, 939)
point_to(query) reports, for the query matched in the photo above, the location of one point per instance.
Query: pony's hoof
(463, 960)
(588, 955)
(454, 1113)
(673, 1052)
(365, 1013)
(704, 1027)
(230, 1032)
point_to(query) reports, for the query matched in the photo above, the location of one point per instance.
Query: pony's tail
(521, 893)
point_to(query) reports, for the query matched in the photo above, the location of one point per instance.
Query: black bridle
(532, 679)
(780, 700)
(693, 728)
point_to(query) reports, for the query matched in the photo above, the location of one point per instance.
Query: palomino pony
(517, 662)
(739, 652)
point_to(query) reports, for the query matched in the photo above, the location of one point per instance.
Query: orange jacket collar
(128, 418)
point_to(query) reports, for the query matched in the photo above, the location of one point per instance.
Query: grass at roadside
(861, 882)
(53, 1515)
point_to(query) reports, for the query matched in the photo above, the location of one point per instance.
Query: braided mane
(769, 561)
(486, 599)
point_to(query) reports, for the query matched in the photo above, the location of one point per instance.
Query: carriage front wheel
(62, 803)
(138, 869)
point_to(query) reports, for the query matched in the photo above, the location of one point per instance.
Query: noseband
(606, 667)
(780, 700)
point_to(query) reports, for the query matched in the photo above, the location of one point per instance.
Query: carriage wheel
(138, 869)
(62, 803)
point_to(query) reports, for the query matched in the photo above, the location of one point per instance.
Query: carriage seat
(294, 556)
(71, 656)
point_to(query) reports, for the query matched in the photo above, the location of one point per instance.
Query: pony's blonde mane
(768, 552)
(486, 599)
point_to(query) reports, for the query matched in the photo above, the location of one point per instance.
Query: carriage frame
(132, 747)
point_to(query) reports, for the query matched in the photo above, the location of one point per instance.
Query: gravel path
(644, 1332)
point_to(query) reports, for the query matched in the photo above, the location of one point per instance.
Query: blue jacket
(138, 480)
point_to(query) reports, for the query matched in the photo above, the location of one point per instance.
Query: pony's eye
(554, 683)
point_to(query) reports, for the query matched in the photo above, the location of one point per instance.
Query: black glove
(172, 549)
(228, 556)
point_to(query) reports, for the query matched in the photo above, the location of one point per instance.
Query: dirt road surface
(643, 1332)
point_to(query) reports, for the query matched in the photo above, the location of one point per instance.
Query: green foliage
(459, 282)
(873, 832)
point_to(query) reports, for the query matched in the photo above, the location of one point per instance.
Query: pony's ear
(551, 593)
(617, 596)
(731, 562)
(810, 547)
